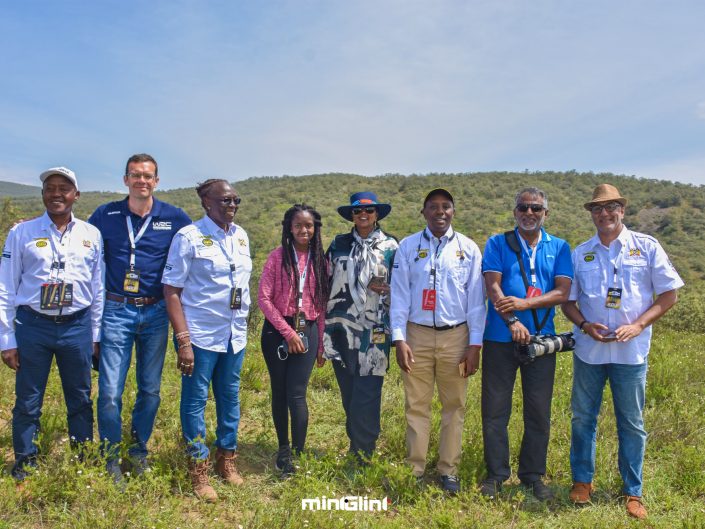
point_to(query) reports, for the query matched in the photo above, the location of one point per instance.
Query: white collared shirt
(30, 249)
(643, 270)
(197, 262)
(460, 289)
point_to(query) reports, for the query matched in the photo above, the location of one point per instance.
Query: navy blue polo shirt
(552, 260)
(152, 248)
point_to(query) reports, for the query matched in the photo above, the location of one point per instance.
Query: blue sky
(235, 89)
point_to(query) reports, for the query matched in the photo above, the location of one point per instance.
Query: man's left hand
(471, 359)
(511, 304)
(627, 332)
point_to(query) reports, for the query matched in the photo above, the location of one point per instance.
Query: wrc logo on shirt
(161, 225)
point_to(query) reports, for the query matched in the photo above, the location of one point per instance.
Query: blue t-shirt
(152, 248)
(552, 260)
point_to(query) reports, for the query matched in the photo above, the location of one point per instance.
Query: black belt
(441, 327)
(63, 318)
(137, 302)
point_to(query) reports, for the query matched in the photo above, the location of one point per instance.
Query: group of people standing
(92, 291)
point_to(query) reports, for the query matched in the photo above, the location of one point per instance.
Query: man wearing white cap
(623, 283)
(51, 304)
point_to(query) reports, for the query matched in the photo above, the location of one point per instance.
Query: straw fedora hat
(603, 194)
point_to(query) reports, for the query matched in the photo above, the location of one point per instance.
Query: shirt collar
(154, 212)
(545, 237)
(217, 229)
(47, 222)
(623, 237)
(447, 235)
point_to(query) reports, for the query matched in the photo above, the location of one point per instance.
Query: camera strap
(513, 243)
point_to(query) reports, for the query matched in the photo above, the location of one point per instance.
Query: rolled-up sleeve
(178, 262)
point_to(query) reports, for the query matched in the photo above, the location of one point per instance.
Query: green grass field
(66, 493)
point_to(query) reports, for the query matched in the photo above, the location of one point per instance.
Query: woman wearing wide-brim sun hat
(357, 338)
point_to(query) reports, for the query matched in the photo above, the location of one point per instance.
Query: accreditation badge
(131, 282)
(379, 336)
(235, 298)
(55, 295)
(428, 299)
(533, 292)
(300, 321)
(614, 298)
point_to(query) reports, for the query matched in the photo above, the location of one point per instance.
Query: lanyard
(616, 267)
(58, 261)
(134, 240)
(230, 257)
(532, 257)
(302, 278)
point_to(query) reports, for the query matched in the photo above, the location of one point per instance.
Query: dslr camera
(543, 344)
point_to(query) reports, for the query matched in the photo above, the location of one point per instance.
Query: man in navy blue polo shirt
(137, 233)
(521, 304)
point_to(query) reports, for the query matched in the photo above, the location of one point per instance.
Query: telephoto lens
(544, 344)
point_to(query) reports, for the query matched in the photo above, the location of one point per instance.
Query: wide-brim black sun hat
(361, 200)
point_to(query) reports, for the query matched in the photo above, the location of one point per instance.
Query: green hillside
(10, 189)
(672, 212)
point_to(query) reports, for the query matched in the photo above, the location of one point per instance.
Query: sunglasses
(369, 210)
(610, 208)
(536, 208)
(226, 201)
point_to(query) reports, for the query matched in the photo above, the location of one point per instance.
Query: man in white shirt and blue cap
(623, 283)
(51, 303)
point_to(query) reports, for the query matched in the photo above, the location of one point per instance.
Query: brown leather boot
(580, 493)
(635, 508)
(225, 466)
(198, 472)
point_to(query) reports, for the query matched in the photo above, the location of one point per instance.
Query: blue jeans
(38, 341)
(628, 385)
(223, 369)
(147, 328)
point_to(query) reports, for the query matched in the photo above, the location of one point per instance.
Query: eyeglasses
(536, 208)
(146, 176)
(369, 210)
(610, 208)
(230, 200)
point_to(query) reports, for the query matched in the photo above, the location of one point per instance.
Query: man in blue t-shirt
(137, 233)
(521, 304)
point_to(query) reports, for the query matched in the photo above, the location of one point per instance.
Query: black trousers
(362, 399)
(289, 380)
(499, 367)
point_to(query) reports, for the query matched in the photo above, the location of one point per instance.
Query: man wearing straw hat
(623, 283)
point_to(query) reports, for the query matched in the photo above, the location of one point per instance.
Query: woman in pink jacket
(293, 292)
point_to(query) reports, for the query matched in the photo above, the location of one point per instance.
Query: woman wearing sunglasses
(293, 291)
(207, 296)
(357, 337)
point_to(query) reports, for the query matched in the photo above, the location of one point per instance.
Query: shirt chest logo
(207, 240)
(589, 257)
(161, 225)
(634, 252)
(87, 244)
(242, 242)
(422, 253)
(41, 242)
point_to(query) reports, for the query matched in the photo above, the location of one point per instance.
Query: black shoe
(540, 490)
(23, 468)
(490, 488)
(112, 467)
(450, 484)
(139, 465)
(283, 463)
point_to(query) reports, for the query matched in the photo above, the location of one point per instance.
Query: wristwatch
(510, 320)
